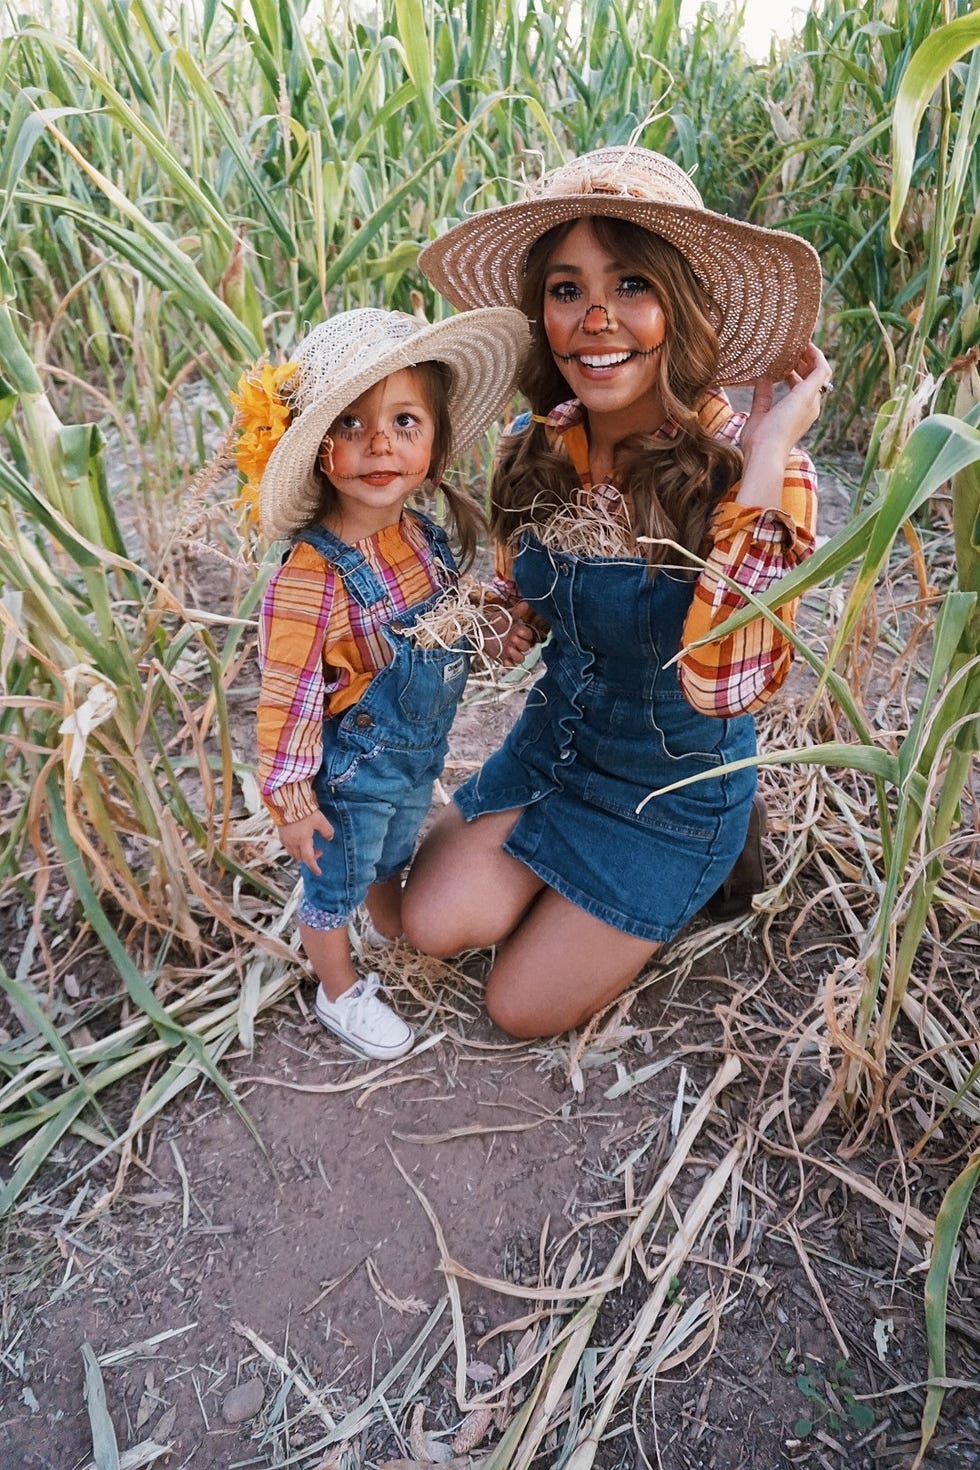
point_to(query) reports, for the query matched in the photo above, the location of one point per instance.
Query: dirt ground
(318, 1254)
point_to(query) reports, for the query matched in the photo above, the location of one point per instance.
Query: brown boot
(748, 876)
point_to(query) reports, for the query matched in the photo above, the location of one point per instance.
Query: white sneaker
(363, 1021)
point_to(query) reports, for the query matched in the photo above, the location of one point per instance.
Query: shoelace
(369, 987)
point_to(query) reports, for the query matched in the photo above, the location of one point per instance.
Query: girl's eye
(406, 421)
(564, 291)
(347, 426)
(633, 286)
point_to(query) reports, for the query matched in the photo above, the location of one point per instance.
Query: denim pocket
(436, 679)
(684, 733)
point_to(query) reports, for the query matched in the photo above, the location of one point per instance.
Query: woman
(641, 302)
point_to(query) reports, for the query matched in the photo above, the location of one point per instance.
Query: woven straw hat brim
(766, 283)
(483, 348)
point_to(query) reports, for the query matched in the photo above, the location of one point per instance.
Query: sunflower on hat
(263, 414)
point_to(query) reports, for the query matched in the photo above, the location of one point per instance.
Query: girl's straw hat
(764, 283)
(343, 357)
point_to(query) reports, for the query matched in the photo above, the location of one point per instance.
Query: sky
(762, 19)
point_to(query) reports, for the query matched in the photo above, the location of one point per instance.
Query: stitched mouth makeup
(599, 360)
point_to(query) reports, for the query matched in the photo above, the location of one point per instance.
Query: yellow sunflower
(263, 416)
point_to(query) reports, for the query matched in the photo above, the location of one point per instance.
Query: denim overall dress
(606, 724)
(381, 756)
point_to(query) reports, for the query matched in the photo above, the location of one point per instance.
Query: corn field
(181, 190)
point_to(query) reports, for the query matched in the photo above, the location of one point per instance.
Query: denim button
(363, 722)
(397, 627)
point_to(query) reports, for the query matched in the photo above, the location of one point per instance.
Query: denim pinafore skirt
(606, 724)
(382, 755)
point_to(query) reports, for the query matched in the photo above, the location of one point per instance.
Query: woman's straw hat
(343, 357)
(764, 283)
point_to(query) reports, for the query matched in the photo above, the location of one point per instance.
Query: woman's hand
(774, 426)
(509, 637)
(297, 838)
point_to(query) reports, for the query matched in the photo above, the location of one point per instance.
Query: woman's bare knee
(511, 1014)
(426, 928)
(463, 891)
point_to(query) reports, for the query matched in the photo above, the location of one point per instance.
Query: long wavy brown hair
(465, 515)
(672, 485)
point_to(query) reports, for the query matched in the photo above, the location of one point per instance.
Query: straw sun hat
(764, 283)
(343, 357)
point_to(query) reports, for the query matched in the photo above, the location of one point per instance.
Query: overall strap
(359, 577)
(436, 537)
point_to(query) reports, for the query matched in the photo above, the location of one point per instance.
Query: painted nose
(380, 443)
(596, 320)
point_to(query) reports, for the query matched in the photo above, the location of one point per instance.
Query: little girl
(353, 714)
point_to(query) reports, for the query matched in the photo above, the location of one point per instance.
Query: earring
(326, 455)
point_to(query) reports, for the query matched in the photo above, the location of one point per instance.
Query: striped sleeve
(753, 548)
(295, 613)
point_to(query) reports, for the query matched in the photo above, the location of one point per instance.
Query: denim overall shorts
(605, 725)
(381, 756)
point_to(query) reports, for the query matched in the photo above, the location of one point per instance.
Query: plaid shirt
(752, 547)
(319, 650)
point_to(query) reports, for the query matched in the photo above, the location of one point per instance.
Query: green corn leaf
(154, 255)
(937, 448)
(954, 617)
(413, 32)
(923, 75)
(948, 1222)
(210, 101)
(828, 561)
(204, 208)
(868, 758)
(136, 985)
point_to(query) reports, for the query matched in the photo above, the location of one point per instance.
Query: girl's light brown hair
(436, 381)
(670, 485)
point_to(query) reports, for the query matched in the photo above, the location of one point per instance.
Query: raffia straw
(586, 528)
(458, 614)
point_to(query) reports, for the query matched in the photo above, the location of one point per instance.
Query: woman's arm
(752, 547)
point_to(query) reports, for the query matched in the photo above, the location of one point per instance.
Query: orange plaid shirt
(752, 547)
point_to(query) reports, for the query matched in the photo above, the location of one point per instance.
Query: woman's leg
(463, 891)
(384, 906)
(558, 967)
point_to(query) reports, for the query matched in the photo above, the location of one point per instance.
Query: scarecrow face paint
(379, 453)
(605, 327)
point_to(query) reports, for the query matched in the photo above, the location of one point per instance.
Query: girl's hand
(297, 838)
(510, 637)
(774, 426)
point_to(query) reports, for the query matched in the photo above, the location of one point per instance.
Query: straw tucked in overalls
(605, 725)
(381, 756)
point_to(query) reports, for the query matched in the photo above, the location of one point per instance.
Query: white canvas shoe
(363, 1021)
